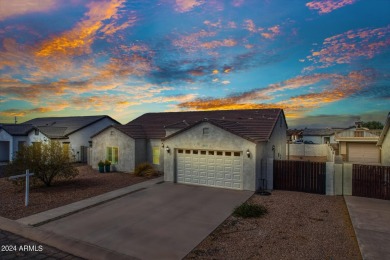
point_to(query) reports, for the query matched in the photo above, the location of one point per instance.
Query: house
(294, 135)
(13, 136)
(319, 135)
(213, 148)
(359, 145)
(384, 143)
(73, 132)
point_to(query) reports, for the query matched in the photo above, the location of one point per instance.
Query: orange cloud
(78, 41)
(192, 42)
(21, 7)
(216, 44)
(183, 6)
(271, 32)
(327, 6)
(353, 44)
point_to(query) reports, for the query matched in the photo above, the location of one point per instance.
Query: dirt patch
(297, 226)
(87, 184)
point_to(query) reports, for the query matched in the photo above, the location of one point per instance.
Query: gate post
(270, 173)
(347, 179)
(329, 190)
(338, 179)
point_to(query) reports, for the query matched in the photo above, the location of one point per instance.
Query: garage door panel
(363, 153)
(210, 168)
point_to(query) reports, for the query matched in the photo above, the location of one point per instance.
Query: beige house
(210, 148)
(359, 145)
(384, 143)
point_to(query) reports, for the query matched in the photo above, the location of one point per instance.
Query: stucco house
(384, 143)
(320, 135)
(359, 145)
(213, 148)
(73, 132)
(13, 136)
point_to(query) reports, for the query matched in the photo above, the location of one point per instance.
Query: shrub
(145, 169)
(107, 163)
(247, 210)
(46, 160)
(100, 163)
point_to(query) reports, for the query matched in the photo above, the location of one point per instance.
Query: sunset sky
(325, 62)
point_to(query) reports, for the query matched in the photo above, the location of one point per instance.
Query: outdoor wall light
(248, 153)
(162, 145)
(168, 149)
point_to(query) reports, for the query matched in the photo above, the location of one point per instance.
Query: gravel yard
(87, 184)
(297, 226)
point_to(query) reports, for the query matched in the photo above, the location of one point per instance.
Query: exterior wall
(307, 149)
(217, 139)
(343, 148)
(83, 136)
(385, 153)
(278, 139)
(113, 137)
(140, 151)
(6, 151)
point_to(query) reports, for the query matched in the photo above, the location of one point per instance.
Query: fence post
(347, 179)
(330, 178)
(338, 179)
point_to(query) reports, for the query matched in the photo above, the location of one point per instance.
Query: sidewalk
(371, 221)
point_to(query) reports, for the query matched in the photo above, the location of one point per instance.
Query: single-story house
(359, 145)
(73, 132)
(294, 135)
(320, 135)
(384, 143)
(13, 136)
(212, 148)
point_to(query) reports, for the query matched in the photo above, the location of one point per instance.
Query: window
(180, 151)
(236, 153)
(219, 153)
(156, 155)
(211, 152)
(195, 151)
(228, 153)
(359, 133)
(112, 154)
(36, 132)
(203, 152)
(65, 148)
(188, 151)
(206, 131)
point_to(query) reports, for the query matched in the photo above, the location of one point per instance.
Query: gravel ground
(87, 184)
(297, 226)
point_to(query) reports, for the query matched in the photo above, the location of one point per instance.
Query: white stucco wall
(83, 136)
(307, 149)
(111, 137)
(278, 139)
(6, 148)
(217, 139)
(385, 152)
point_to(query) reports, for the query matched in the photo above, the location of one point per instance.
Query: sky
(325, 62)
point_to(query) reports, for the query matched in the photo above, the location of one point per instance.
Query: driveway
(371, 221)
(165, 221)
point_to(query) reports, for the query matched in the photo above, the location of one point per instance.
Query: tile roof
(254, 124)
(17, 129)
(134, 131)
(319, 131)
(60, 127)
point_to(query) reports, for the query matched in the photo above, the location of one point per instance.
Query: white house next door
(209, 168)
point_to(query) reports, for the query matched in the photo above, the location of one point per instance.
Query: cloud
(20, 7)
(328, 88)
(238, 3)
(183, 6)
(327, 6)
(351, 45)
(268, 33)
(78, 40)
(225, 82)
(271, 32)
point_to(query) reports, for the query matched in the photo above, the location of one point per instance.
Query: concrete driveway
(371, 221)
(165, 221)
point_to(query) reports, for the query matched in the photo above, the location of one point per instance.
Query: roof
(178, 125)
(255, 124)
(17, 129)
(385, 130)
(319, 131)
(60, 127)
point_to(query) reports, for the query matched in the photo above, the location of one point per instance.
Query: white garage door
(209, 168)
(363, 153)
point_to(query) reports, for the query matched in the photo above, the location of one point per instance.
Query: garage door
(363, 153)
(209, 168)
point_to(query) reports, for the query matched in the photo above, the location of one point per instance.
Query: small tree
(48, 161)
(373, 125)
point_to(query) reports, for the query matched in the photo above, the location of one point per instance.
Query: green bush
(145, 169)
(47, 161)
(247, 210)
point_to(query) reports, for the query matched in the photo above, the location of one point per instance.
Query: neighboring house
(14, 136)
(213, 148)
(294, 135)
(384, 143)
(319, 135)
(73, 132)
(358, 145)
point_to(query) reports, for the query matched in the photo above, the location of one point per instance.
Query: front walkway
(371, 221)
